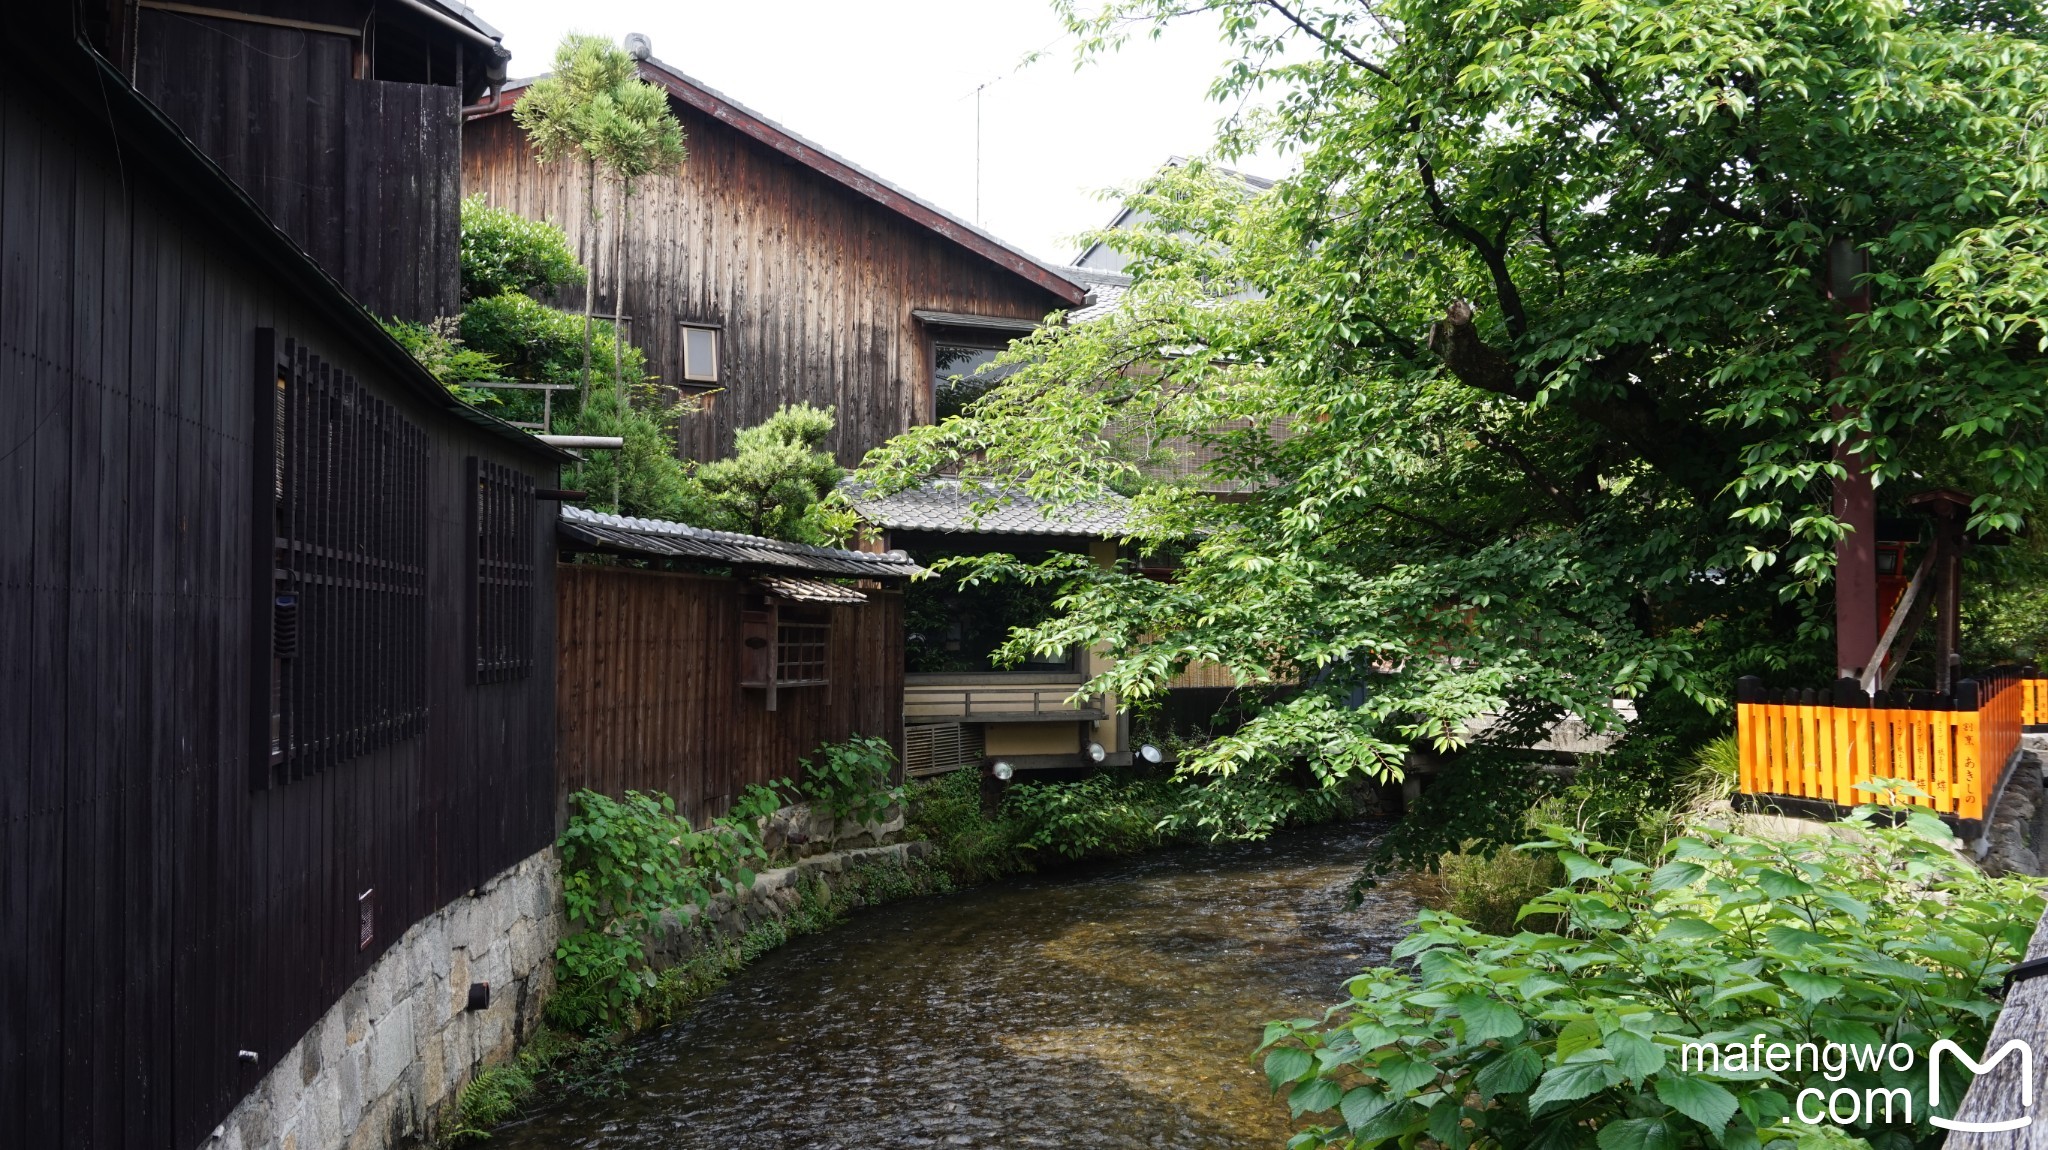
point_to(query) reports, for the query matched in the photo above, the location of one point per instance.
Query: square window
(700, 354)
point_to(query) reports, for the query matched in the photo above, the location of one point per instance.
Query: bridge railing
(1804, 751)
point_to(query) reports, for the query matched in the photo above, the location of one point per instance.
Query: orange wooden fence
(1814, 747)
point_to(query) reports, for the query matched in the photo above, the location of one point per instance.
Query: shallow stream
(1108, 1008)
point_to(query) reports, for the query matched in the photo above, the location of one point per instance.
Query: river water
(1108, 1008)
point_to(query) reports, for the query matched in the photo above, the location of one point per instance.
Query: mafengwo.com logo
(1843, 1105)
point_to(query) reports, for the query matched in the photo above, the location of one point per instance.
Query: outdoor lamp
(1096, 752)
(1002, 770)
(1151, 754)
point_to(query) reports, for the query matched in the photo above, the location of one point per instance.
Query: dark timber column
(1855, 500)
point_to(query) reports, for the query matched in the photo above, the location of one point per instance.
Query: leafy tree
(777, 480)
(1541, 396)
(503, 251)
(594, 107)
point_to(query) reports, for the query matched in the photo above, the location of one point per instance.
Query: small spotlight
(1002, 770)
(1151, 754)
(1096, 752)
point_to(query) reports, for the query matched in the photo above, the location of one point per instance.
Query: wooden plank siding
(814, 285)
(157, 914)
(362, 174)
(648, 695)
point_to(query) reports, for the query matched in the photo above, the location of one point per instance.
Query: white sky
(889, 85)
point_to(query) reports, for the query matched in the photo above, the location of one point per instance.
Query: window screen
(348, 570)
(800, 653)
(700, 354)
(501, 571)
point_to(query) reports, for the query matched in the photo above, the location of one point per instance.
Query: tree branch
(1493, 255)
(1327, 40)
(1535, 474)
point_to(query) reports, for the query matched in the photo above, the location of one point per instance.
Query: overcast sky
(890, 85)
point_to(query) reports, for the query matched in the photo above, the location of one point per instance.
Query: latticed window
(800, 653)
(502, 570)
(348, 569)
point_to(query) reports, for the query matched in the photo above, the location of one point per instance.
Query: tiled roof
(662, 539)
(805, 590)
(946, 505)
(1105, 289)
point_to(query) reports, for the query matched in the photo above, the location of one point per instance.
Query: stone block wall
(381, 1065)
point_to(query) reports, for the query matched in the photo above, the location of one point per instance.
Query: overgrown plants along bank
(1103, 816)
(1575, 1037)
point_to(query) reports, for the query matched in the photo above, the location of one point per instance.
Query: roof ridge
(672, 527)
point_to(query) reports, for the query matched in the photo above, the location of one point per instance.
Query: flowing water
(1111, 1008)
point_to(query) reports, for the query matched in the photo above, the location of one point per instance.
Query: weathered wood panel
(813, 284)
(1994, 1096)
(157, 914)
(648, 694)
(363, 174)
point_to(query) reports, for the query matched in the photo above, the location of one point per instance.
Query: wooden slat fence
(648, 693)
(1815, 747)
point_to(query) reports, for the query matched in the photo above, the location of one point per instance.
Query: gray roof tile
(947, 505)
(660, 538)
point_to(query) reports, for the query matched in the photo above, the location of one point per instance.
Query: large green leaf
(1488, 1018)
(1285, 1064)
(1639, 1134)
(1568, 1083)
(1706, 1103)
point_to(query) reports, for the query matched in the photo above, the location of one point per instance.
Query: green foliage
(850, 780)
(503, 251)
(1099, 815)
(442, 351)
(594, 106)
(1489, 889)
(973, 847)
(777, 480)
(1543, 318)
(550, 1062)
(1872, 935)
(625, 862)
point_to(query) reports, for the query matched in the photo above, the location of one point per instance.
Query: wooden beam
(251, 18)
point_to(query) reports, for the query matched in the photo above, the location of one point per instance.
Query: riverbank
(952, 839)
(1112, 1004)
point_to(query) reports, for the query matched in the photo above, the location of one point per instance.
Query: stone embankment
(383, 1065)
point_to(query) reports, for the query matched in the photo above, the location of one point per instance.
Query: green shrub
(1101, 814)
(506, 252)
(1488, 890)
(624, 862)
(969, 845)
(776, 480)
(850, 780)
(1876, 935)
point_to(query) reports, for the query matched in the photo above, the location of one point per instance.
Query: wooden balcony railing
(990, 699)
(1806, 749)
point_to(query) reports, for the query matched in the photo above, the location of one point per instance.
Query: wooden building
(767, 271)
(706, 661)
(341, 118)
(278, 615)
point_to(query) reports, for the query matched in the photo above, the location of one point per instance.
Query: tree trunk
(590, 274)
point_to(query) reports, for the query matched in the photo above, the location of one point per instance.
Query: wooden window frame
(337, 655)
(717, 352)
(503, 571)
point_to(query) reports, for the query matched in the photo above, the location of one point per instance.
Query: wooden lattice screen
(501, 570)
(348, 570)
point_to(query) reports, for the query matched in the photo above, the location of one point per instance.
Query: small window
(957, 378)
(800, 653)
(700, 354)
(501, 571)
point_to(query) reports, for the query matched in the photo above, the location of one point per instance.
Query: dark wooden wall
(157, 914)
(364, 174)
(814, 284)
(648, 696)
